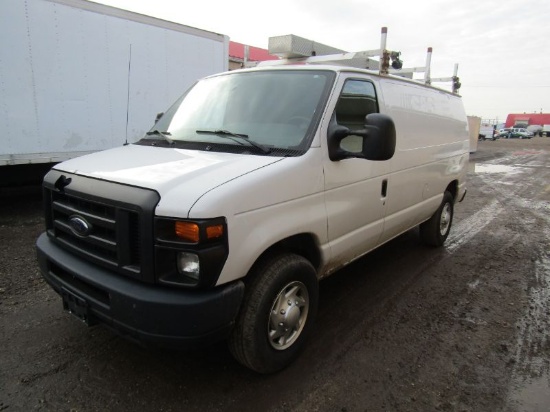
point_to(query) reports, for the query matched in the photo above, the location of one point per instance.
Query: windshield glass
(263, 111)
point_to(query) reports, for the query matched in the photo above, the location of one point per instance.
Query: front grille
(114, 235)
(116, 222)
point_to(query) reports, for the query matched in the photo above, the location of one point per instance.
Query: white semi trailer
(78, 77)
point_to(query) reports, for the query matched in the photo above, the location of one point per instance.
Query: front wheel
(435, 230)
(277, 313)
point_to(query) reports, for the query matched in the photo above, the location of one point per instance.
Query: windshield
(262, 112)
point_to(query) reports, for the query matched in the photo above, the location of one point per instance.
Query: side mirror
(378, 139)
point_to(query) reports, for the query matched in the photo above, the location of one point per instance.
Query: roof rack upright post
(427, 79)
(456, 80)
(384, 54)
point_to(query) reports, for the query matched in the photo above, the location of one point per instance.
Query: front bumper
(146, 313)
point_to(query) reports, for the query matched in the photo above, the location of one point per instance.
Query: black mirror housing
(379, 139)
(379, 143)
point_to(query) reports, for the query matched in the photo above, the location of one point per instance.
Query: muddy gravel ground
(407, 328)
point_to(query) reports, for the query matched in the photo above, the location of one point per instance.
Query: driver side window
(358, 99)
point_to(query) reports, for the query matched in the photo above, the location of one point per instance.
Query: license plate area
(77, 306)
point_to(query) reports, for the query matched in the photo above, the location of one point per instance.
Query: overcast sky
(501, 46)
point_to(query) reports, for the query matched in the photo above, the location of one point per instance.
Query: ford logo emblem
(79, 226)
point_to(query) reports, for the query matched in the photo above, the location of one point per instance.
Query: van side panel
(355, 208)
(431, 151)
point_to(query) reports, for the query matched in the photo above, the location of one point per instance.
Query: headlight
(189, 265)
(190, 252)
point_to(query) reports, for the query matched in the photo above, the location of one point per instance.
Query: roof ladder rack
(293, 49)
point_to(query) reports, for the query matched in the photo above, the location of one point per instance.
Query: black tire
(435, 230)
(277, 314)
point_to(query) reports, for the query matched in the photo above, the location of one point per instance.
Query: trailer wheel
(277, 313)
(435, 230)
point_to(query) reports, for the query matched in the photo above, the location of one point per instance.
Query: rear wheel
(277, 313)
(435, 230)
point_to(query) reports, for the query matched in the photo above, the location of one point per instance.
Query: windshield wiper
(164, 135)
(233, 136)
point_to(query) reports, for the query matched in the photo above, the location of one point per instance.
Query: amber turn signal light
(214, 232)
(188, 231)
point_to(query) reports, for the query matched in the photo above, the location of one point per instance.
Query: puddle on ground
(531, 377)
(535, 395)
(488, 168)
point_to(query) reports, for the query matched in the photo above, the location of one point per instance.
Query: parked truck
(487, 132)
(77, 77)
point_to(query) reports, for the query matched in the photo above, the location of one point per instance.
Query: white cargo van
(251, 188)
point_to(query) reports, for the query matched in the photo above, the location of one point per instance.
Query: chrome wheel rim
(288, 315)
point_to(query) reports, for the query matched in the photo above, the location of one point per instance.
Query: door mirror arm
(337, 133)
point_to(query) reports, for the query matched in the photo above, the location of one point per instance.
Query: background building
(527, 119)
(237, 55)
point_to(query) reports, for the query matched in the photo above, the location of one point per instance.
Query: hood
(165, 169)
